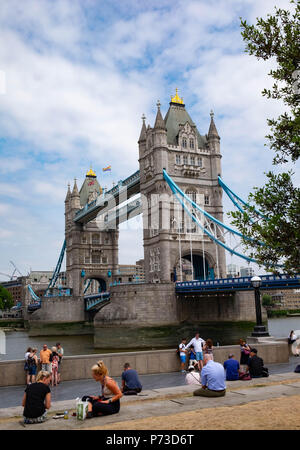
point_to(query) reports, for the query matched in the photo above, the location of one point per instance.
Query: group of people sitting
(213, 374)
(37, 396)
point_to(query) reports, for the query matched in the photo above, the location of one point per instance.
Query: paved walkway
(12, 395)
(164, 402)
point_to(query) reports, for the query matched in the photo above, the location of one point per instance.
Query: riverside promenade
(263, 403)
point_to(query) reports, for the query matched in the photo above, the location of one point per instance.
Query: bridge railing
(239, 283)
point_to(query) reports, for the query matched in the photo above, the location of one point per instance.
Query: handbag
(81, 409)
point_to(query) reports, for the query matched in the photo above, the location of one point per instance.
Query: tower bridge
(180, 188)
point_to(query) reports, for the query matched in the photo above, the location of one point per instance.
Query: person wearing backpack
(32, 362)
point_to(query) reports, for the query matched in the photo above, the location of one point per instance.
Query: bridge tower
(171, 241)
(91, 254)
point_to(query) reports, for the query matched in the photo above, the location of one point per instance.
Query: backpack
(297, 370)
(30, 361)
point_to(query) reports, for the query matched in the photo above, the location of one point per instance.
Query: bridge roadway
(236, 284)
(124, 190)
(200, 288)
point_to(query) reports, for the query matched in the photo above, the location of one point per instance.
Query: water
(282, 326)
(18, 341)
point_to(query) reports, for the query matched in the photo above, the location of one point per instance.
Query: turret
(213, 136)
(75, 197)
(143, 137)
(160, 146)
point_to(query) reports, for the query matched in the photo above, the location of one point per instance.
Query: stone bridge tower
(91, 254)
(173, 246)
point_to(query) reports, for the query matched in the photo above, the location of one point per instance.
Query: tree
(6, 300)
(267, 300)
(277, 37)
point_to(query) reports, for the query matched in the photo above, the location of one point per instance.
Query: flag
(106, 169)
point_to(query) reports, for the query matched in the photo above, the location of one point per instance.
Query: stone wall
(58, 310)
(147, 362)
(148, 304)
(238, 306)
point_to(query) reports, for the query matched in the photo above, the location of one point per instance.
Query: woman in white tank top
(109, 400)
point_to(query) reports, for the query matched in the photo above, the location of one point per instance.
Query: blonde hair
(54, 349)
(100, 369)
(42, 375)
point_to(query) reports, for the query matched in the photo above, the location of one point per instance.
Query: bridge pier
(59, 316)
(152, 315)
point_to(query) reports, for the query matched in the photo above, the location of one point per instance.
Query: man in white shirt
(198, 343)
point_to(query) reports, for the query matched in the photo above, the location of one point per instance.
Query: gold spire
(176, 98)
(91, 173)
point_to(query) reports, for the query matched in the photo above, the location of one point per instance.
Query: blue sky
(77, 77)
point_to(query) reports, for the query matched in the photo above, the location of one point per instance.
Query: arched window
(199, 161)
(192, 160)
(178, 159)
(192, 145)
(184, 142)
(185, 159)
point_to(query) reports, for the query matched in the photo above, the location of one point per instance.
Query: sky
(76, 77)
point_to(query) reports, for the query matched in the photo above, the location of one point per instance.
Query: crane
(16, 269)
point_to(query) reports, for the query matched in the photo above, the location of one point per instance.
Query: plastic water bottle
(66, 415)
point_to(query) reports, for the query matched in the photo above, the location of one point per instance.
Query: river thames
(16, 342)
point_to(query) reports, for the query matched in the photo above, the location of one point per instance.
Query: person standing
(60, 352)
(32, 362)
(245, 353)
(109, 400)
(182, 354)
(208, 347)
(212, 379)
(198, 343)
(130, 381)
(37, 399)
(45, 358)
(54, 358)
(26, 368)
(232, 368)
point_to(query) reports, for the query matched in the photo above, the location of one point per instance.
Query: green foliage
(278, 37)
(267, 300)
(281, 312)
(276, 237)
(6, 300)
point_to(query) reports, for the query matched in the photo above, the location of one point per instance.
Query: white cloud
(80, 74)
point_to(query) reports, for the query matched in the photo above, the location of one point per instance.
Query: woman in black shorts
(109, 400)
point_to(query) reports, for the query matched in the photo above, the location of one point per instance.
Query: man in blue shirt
(231, 367)
(130, 381)
(212, 379)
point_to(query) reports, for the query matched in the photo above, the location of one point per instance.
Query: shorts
(183, 358)
(199, 356)
(32, 370)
